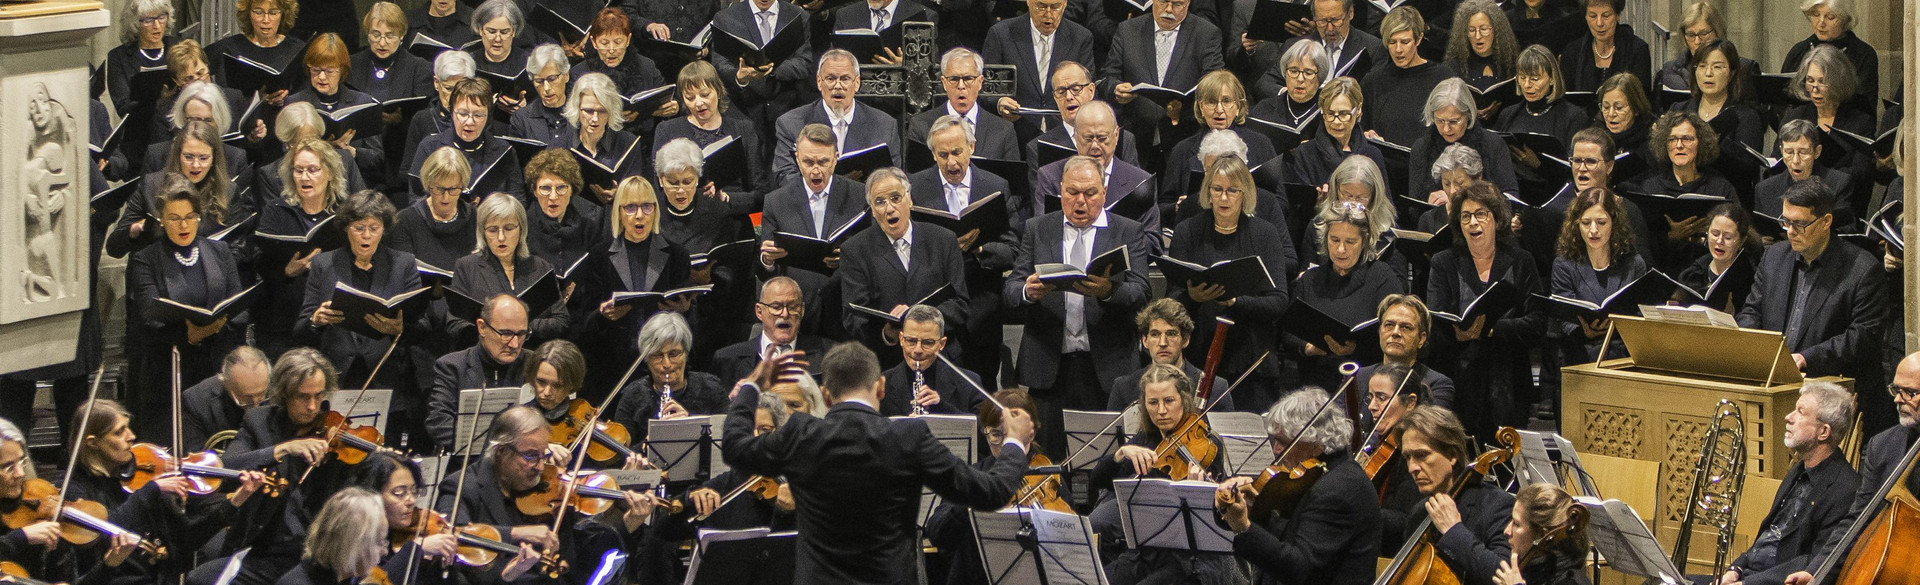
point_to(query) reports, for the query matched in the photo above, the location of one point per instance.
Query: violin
(590, 493)
(202, 470)
(1189, 445)
(762, 487)
(1377, 460)
(475, 545)
(377, 576)
(610, 439)
(1041, 490)
(1280, 487)
(349, 442)
(81, 521)
(11, 572)
(1418, 562)
(1575, 526)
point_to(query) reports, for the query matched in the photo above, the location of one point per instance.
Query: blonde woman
(345, 542)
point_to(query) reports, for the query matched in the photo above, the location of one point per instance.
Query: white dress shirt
(903, 248)
(817, 205)
(839, 124)
(1076, 248)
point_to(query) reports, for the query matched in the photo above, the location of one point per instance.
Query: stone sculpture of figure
(47, 185)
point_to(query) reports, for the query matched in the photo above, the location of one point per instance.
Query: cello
(1872, 546)
(1418, 562)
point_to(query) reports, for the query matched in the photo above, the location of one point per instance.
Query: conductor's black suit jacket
(856, 479)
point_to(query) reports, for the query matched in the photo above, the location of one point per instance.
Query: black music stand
(1161, 513)
(1020, 546)
(765, 559)
(687, 449)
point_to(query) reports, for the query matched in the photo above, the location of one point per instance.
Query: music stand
(1243, 438)
(958, 432)
(368, 407)
(1083, 427)
(1619, 535)
(1036, 545)
(754, 556)
(433, 468)
(687, 449)
(1544, 454)
(1161, 513)
(474, 426)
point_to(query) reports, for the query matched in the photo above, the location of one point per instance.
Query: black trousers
(1075, 385)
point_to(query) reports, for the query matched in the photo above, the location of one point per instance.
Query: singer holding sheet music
(1347, 282)
(1449, 115)
(1333, 535)
(1609, 48)
(1167, 49)
(897, 265)
(1310, 163)
(262, 39)
(1398, 89)
(500, 54)
(1543, 110)
(544, 120)
(953, 185)
(1230, 232)
(187, 269)
(1167, 401)
(194, 154)
(495, 167)
(298, 121)
(1220, 103)
(445, 24)
(328, 66)
(1295, 103)
(594, 107)
(1595, 259)
(1488, 354)
(366, 266)
(1801, 150)
(502, 263)
(1733, 250)
(1482, 48)
(856, 477)
(214, 104)
(709, 115)
(614, 56)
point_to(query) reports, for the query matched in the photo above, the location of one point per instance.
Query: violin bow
(178, 442)
(370, 376)
(1395, 399)
(580, 444)
(73, 457)
(460, 485)
(976, 385)
(1347, 369)
(1208, 407)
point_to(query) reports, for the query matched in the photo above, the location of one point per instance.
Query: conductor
(856, 476)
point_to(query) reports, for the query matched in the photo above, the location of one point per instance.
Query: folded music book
(1247, 275)
(987, 214)
(166, 310)
(810, 253)
(1500, 297)
(357, 304)
(1110, 264)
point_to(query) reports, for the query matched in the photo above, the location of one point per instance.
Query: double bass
(1871, 547)
(1418, 562)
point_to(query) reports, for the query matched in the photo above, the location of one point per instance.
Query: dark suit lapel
(617, 254)
(841, 206)
(656, 261)
(1177, 67)
(382, 269)
(1022, 33)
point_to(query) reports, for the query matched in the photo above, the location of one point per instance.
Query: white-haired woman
(1458, 166)
(544, 119)
(199, 101)
(594, 110)
(1449, 115)
(502, 263)
(666, 388)
(1333, 539)
(1832, 23)
(1303, 68)
(498, 23)
(146, 30)
(345, 542)
(448, 69)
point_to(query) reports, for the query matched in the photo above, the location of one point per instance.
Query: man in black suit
(765, 91)
(952, 185)
(780, 309)
(1129, 189)
(1333, 536)
(882, 17)
(1076, 337)
(856, 476)
(494, 362)
(1352, 51)
(1404, 320)
(896, 264)
(960, 75)
(1827, 299)
(852, 124)
(220, 402)
(920, 380)
(814, 203)
(1879, 461)
(1811, 505)
(1163, 48)
(1165, 328)
(1035, 44)
(1073, 87)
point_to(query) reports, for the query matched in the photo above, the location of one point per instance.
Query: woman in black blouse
(1828, 83)
(146, 32)
(503, 263)
(1702, 24)
(543, 118)
(262, 38)
(613, 55)
(1720, 96)
(638, 259)
(1304, 67)
(1541, 111)
(296, 122)
(448, 23)
(709, 118)
(386, 72)
(666, 389)
(186, 269)
(313, 184)
(328, 66)
(1230, 232)
(344, 542)
(1539, 509)
(1345, 282)
(1488, 352)
(1482, 48)
(1623, 110)
(1609, 48)
(1595, 258)
(1831, 23)
(594, 109)
(192, 155)
(497, 23)
(422, 557)
(1686, 149)
(1221, 104)
(202, 101)
(438, 230)
(1450, 119)
(1341, 107)
(368, 266)
(698, 222)
(1732, 246)
(566, 229)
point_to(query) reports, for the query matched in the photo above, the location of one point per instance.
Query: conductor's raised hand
(1017, 425)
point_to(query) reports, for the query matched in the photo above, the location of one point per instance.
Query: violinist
(218, 403)
(345, 544)
(494, 362)
(1879, 461)
(1469, 515)
(35, 546)
(1167, 404)
(280, 436)
(1165, 330)
(920, 384)
(1543, 557)
(554, 371)
(708, 499)
(663, 388)
(950, 528)
(1331, 537)
(163, 507)
(412, 556)
(1390, 395)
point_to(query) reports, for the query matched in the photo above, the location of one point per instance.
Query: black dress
(369, 154)
(1578, 279)
(1493, 372)
(1198, 242)
(354, 353)
(566, 243)
(747, 186)
(654, 264)
(201, 274)
(1396, 97)
(1352, 298)
(280, 295)
(479, 276)
(1673, 254)
(288, 51)
(1630, 55)
(453, 30)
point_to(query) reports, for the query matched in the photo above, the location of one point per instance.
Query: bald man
(1129, 189)
(494, 362)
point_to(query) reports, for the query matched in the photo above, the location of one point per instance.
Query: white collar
(907, 237)
(822, 193)
(766, 342)
(832, 119)
(965, 181)
(859, 401)
(1099, 221)
(972, 115)
(892, 8)
(773, 10)
(1039, 38)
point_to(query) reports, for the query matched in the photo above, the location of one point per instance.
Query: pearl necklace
(152, 56)
(189, 259)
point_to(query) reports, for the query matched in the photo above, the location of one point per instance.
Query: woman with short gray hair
(1346, 281)
(1458, 166)
(1832, 23)
(146, 30)
(1449, 116)
(666, 388)
(498, 23)
(543, 117)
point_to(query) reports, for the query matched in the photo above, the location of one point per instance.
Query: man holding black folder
(1128, 189)
(897, 264)
(952, 186)
(773, 78)
(1035, 44)
(816, 205)
(879, 19)
(1077, 334)
(855, 126)
(1166, 49)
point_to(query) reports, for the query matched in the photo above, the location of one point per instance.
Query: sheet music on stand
(368, 408)
(1063, 547)
(959, 432)
(1084, 426)
(1176, 515)
(1243, 436)
(433, 468)
(1544, 454)
(929, 502)
(674, 445)
(467, 427)
(1622, 538)
(751, 556)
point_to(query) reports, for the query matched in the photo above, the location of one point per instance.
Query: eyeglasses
(367, 229)
(1722, 236)
(549, 79)
(1302, 73)
(1615, 107)
(531, 456)
(181, 220)
(961, 80)
(307, 171)
(326, 71)
(1439, 121)
(382, 36)
(906, 341)
(1816, 82)
(793, 308)
(454, 190)
(471, 115)
(1902, 392)
(507, 333)
(265, 12)
(1068, 90)
(407, 492)
(1583, 162)
(496, 32)
(1479, 31)
(1797, 225)
(1476, 216)
(494, 231)
(891, 200)
(839, 80)
(1683, 139)
(1796, 153)
(1338, 115)
(1330, 20)
(639, 208)
(16, 466)
(1701, 35)
(153, 20)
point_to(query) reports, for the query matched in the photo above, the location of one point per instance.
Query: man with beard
(1879, 461)
(780, 309)
(1811, 505)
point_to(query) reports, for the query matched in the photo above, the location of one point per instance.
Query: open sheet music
(470, 427)
(1243, 436)
(364, 408)
(1177, 515)
(1063, 551)
(687, 448)
(1625, 541)
(957, 431)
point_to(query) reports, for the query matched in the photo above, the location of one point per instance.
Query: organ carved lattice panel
(1612, 432)
(1683, 436)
